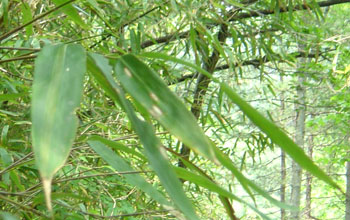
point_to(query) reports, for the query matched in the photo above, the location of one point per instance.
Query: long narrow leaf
(149, 90)
(71, 12)
(265, 125)
(57, 91)
(102, 72)
(121, 165)
(213, 187)
(153, 94)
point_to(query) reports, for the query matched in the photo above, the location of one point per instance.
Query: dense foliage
(179, 109)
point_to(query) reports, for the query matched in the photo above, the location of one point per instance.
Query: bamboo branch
(15, 30)
(285, 9)
(19, 48)
(175, 36)
(22, 206)
(18, 58)
(254, 62)
(128, 23)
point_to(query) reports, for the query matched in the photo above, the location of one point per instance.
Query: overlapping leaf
(265, 125)
(101, 70)
(153, 94)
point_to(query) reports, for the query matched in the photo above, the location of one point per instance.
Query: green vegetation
(179, 109)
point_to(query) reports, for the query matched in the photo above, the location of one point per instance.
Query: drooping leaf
(269, 128)
(27, 16)
(71, 12)
(121, 165)
(57, 91)
(152, 93)
(149, 90)
(101, 70)
(213, 187)
(278, 137)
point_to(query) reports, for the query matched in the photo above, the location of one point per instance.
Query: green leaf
(27, 17)
(11, 96)
(148, 89)
(120, 165)
(117, 146)
(278, 136)
(57, 91)
(212, 186)
(269, 128)
(71, 12)
(102, 73)
(8, 216)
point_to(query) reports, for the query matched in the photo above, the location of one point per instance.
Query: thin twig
(19, 48)
(100, 174)
(14, 75)
(16, 163)
(128, 23)
(113, 216)
(18, 58)
(22, 206)
(6, 35)
(84, 177)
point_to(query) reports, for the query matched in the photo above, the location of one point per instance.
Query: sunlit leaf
(102, 72)
(71, 12)
(153, 94)
(269, 128)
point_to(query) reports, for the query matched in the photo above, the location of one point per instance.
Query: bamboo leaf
(152, 93)
(117, 146)
(27, 16)
(278, 137)
(269, 128)
(71, 12)
(101, 70)
(57, 91)
(213, 187)
(121, 165)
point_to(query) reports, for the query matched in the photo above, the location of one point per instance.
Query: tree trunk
(299, 139)
(347, 201)
(283, 182)
(283, 163)
(309, 182)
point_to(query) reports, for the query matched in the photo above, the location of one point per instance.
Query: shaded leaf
(71, 12)
(57, 91)
(121, 165)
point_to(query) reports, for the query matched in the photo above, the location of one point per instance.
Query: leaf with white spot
(57, 91)
(147, 88)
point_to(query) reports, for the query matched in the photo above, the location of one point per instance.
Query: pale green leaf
(119, 164)
(57, 91)
(268, 127)
(100, 69)
(148, 89)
